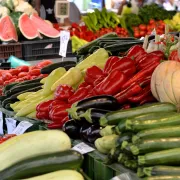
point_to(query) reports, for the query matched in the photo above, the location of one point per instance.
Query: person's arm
(37, 5)
(121, 7)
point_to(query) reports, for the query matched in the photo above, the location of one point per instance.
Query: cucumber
(8, 101)
(139, 125)
(48, 69)
(59, 175)
(21, 88)
(29, 82)
(84, 49)
(43, 164)
(162, 178)
(162, 132)
(9, 86)
(113, 118)
(161, 171)
(93, 48)
(165, 157)
(8, 107)
(152, 145)
(39, 143)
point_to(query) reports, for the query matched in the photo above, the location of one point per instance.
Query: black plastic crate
(43, 49)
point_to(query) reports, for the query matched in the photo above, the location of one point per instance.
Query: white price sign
(64, 39)
(11, 125)
(83, 148)
(22, 127)
(1, 123)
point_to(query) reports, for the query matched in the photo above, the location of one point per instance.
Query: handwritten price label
(1, 123)
(83, 148)
(11, 125)
(22, 127)
(64, 39)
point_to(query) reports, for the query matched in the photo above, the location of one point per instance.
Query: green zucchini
(93, 48)
(162, 132)
(152, 145)
(113, 155)
(8, 101)
(131, 164)
(139, 125)
(113, 118)
(165, 157)
(123, 157)
(8, 107)
(43, 164)
(162, 178)
(2, 98)
(48, 69)
(9, 86)
(29, 82)
(84, 49)
(124, 137)
(21, 88)
(161, 171)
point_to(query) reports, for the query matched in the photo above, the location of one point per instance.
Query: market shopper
(74, 16)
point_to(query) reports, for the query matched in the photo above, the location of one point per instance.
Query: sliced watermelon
(27, 28)
(43, 27)
(7, 29)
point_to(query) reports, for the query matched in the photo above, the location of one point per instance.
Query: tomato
(152, 21)
(35, 72)
(161, 27)
(142, 33)
(142, 27)
(1, 81)
(19, 80)
(6, 76)
(6, 83)
(25, 78)
(136, 29)
(136, 35)
(23, 68)
(33, 77)
(12, 80)
(22, 74)
(14, 71)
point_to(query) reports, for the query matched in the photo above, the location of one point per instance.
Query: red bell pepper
(132, 90)
(97, 81)
(137, 99)
(174, 55)
(63, 92)
(80, 94)
(44, 106)
(58, 125)
(84, 84)
(126, 106)
(42, 115)
(141, 56)
(158, 53)
(58, 113)
(111, 84)
(92, 74)
(135, 51)
(148, 99)
(143, 73)
(143, 82)
(109, 63)
(57, 103)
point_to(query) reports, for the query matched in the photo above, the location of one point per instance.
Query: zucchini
(8, 101)
(39, 143)
(69, 66)
(131, 164)
(84, 49)
(113, 118)
(48, 69)
(59, 175)
(162, 132)
(162, 178)
(113, 155)
(139, 125)
(152, 145)
(124, 137)
(93, 48)
(8, 107)
(123, 157)
(9, 86)
(29, 82)
(21, 88)
(165, 157)
(161, 171)
(43, 164)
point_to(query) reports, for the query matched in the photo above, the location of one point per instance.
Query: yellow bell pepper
(52, 78)
(71, 78)
(97, 58)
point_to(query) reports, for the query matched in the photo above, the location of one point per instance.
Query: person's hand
(123, 2)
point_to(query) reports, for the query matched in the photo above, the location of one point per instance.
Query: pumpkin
(165, 85)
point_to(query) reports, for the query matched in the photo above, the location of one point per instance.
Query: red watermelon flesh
(27, 28)
(7, 29)
(43, 27)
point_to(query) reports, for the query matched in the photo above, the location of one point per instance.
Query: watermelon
(43, 27)
(27, 28)
(7, 29)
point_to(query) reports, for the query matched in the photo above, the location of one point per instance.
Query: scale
(62, 10)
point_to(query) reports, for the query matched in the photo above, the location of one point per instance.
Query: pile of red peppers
(127, 79)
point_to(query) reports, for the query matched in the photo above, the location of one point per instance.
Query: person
(74, 15)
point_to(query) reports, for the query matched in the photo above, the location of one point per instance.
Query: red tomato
(44, 63)
(19, 80)
(14, 72)
(6, 76)
(23, 68)
(136, 35)
(161, 27)
(136, 28)
(142, 27)
(12, 80)
(33, 77)
(22, 74)
(35, 72)
(6, 83)
(1, 81)
(142, 33)
(25, 78)
(152, 21)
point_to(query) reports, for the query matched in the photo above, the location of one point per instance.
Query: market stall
(113, 112)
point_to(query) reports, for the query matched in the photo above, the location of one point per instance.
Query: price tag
(22, 127)
(83, 148)
(1, 123)
(11, 125)
(64, 39)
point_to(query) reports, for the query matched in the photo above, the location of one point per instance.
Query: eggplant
(72, 129)
(90, 132)
(93, 115)
(100, 102)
